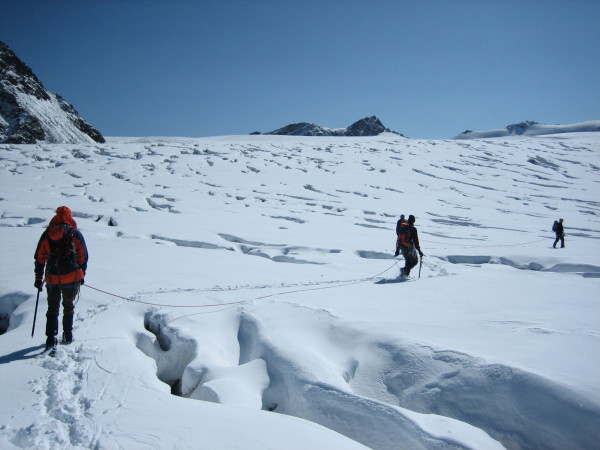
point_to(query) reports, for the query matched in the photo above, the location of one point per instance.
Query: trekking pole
(420, 265)
(35, 313)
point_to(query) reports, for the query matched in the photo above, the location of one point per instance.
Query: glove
(421, 253)
(81, 282)
(38, 284)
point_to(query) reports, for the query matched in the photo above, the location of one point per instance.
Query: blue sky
(426, 68)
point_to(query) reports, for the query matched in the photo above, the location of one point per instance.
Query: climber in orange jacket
(61, 258)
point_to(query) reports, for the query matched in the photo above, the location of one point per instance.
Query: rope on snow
(298, 290)
(242, 301)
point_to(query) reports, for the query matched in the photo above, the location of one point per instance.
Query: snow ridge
(529, 128)
(428, 385)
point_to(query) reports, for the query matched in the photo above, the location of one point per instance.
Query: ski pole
(420, 265)
(35, 313)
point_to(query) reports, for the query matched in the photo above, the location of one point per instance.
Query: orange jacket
(61, 272)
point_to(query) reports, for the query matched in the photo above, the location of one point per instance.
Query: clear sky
(426, 68)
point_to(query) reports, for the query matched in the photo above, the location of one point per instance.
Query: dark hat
(411, 219)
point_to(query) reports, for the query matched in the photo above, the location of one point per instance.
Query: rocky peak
(29, 113)
(369, 126)
(303, 129)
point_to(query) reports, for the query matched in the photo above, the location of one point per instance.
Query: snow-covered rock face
(369, 126)
(30, 114)
(529, 128)
(305, 129)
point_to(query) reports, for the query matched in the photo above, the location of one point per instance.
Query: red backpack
(405, 236)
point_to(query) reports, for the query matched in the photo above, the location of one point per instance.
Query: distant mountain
(529, 128)
(30, 114)
(369, 126)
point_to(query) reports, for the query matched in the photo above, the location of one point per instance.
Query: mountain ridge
(31, 114)
(367, 126)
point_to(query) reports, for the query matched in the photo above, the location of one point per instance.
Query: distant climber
(401, 221)
(560, 233)
(408, 238)
(62, 252)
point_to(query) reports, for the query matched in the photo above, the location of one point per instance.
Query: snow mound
(529, 128)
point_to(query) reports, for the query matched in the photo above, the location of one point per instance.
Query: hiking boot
(51, 342)
(67, 338)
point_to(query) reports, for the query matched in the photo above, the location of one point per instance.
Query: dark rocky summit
(369, 126)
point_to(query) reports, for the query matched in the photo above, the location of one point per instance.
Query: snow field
(264, 305)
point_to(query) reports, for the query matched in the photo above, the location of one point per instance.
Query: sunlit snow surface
(242, 293)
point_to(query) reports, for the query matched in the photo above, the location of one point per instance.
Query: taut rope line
(158, 304)
(484, 246)
(242, 301)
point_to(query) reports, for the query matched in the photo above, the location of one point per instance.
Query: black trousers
(67, 292)
(559, 237)
(411, 258)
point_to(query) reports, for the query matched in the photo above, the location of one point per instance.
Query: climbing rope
(349, 283)
(159, 304)
(487, 246)
(304, 289)
(276, 294)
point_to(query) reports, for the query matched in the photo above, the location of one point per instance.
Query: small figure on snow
(401, 221)
(62, 252)
(560, 233)
(408, 238)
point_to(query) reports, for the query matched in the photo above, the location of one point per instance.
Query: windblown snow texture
(249, 296)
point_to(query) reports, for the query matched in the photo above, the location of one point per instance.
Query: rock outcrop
(30, 114)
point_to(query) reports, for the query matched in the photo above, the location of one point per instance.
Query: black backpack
(555, 226)
(63, 256)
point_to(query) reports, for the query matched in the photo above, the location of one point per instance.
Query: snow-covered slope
(532, 129)
(29, 113)
(242, 293)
